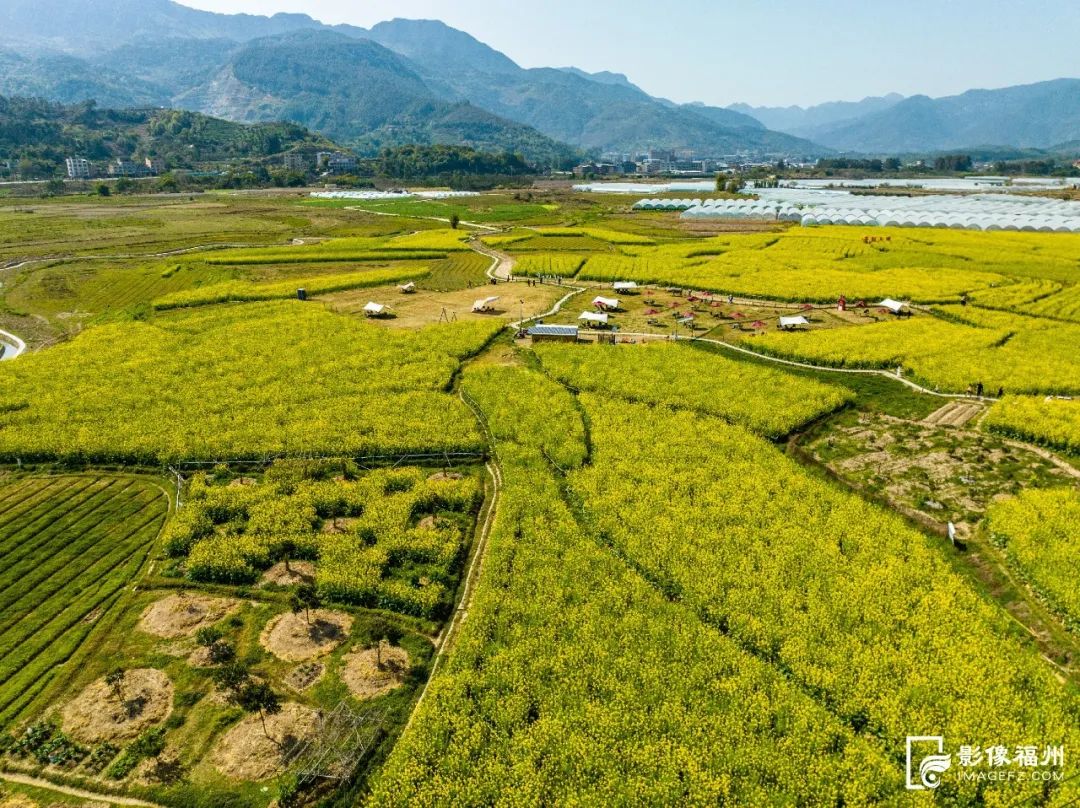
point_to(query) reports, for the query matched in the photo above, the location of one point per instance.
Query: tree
(232, 678)
(455, 220)
(123, 185)
(208, 635)
(54, 187)
(287, 549)
(953, 162)
(304, 599)
(259, 697)
(115, 680)
(102, 189)
(219, 651)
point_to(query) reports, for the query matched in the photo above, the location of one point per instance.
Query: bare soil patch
(292, 638)
(955, 413)
(184, 614)
(935, 467)
(339, 525)
(299, 572)
(304, 676)
(428, 307)
(102, 713)
(446, 475)
(370, 672)
(200, 658)
(246, 753)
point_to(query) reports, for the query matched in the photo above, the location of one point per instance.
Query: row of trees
(874, 165)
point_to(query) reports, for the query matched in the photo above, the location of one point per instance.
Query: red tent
(757, 324)
(806, 306)
(651, 311)
(738, 314)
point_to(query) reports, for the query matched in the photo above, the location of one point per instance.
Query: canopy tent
(624, 286)
(591, 317)
(605, 303)
(895, 306)
(483, 304)
(373, 309)
(793, 322)
(407, 287)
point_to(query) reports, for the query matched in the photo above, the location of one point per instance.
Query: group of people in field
(977, 389)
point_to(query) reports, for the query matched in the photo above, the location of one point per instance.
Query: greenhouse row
(974, 212)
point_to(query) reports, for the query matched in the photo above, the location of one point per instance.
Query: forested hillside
(37, 135)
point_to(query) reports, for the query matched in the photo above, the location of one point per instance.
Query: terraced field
(68, 545)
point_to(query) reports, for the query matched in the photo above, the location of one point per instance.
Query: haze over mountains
(1044, 115)
(422, 81)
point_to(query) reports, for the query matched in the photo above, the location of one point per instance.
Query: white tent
(624, 286)
(590, 317)
(484, 304)
(793, 322)
(895, 306)
(407, 287)
(373, 309)
(605, 303)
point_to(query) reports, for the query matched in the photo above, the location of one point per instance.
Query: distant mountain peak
(602, 77)
(435, 40)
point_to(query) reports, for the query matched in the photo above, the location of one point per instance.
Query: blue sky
(777, 52)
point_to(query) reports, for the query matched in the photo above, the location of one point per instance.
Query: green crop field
(262, 551)
(69, 545)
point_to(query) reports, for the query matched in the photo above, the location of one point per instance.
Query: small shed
(790, 323)
(373, 309)
(593, 318)
(605, 303)
(484, 304)
(407, 288)
(553, 333)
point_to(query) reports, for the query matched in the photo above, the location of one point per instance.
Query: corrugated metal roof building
(553, 333)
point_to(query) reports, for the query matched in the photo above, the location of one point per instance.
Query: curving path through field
(502, 264)
(825, 368)
(107, 799)
(472, 574)
(444, 220)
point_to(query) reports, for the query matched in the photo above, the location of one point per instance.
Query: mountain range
(401, 81)
(422, 81)
(1044, 115)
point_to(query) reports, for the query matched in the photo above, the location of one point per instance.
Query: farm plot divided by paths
(68, 545)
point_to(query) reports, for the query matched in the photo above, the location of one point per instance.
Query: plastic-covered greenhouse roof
(971, 212)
